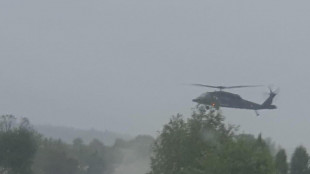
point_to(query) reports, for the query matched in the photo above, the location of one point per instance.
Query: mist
(123, 66)
(113, 65)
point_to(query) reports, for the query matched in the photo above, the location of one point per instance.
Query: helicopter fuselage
(218, 99)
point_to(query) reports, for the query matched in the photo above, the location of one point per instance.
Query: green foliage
(170, 147)
(57, 157)
(201, 144)
(52, 157)
(248, 154)
(300, 161)
(204, 144)
(281, 162)
(17, 145)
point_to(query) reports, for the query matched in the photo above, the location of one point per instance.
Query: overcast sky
(121, 65)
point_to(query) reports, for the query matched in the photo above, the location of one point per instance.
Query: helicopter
(220, 98)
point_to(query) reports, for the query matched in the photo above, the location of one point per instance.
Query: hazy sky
(120, 65)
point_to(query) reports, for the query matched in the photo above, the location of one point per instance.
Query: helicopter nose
(195, 100)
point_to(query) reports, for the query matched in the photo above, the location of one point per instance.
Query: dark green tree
(170, 148)
(300, 161)
(204, 144)
(95, 157)
(190, 146)
(52, 158)
(95, 164)
(17, 145)
(281, 162)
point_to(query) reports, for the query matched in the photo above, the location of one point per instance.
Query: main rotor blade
(226, 87)
(209, 86)
(243, 86)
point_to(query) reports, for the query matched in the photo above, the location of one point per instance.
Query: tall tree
(170, 147)
(300, 161)
(17, 145)
(204, 144)
(246, 154)
(281, 162)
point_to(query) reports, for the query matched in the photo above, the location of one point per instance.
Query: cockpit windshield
(205, 96)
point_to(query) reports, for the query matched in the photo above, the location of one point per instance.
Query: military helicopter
(217, 99)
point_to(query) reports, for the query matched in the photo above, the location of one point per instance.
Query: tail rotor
(268, 102)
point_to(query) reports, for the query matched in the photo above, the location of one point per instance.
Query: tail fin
(268, 102)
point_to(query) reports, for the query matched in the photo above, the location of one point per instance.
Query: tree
(77, 143)
(204, 144)
(281, 162)
(17, 145)
(94, 158)
(96, 164)
(170, 147)
(182, 146)
(52, 158)
(300, 161)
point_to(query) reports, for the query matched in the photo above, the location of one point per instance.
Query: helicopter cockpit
(203, 98)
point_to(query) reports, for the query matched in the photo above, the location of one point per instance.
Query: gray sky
(120, 65)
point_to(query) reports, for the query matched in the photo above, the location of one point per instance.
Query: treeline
(68, 134)
(24, 151)
(201, 144)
